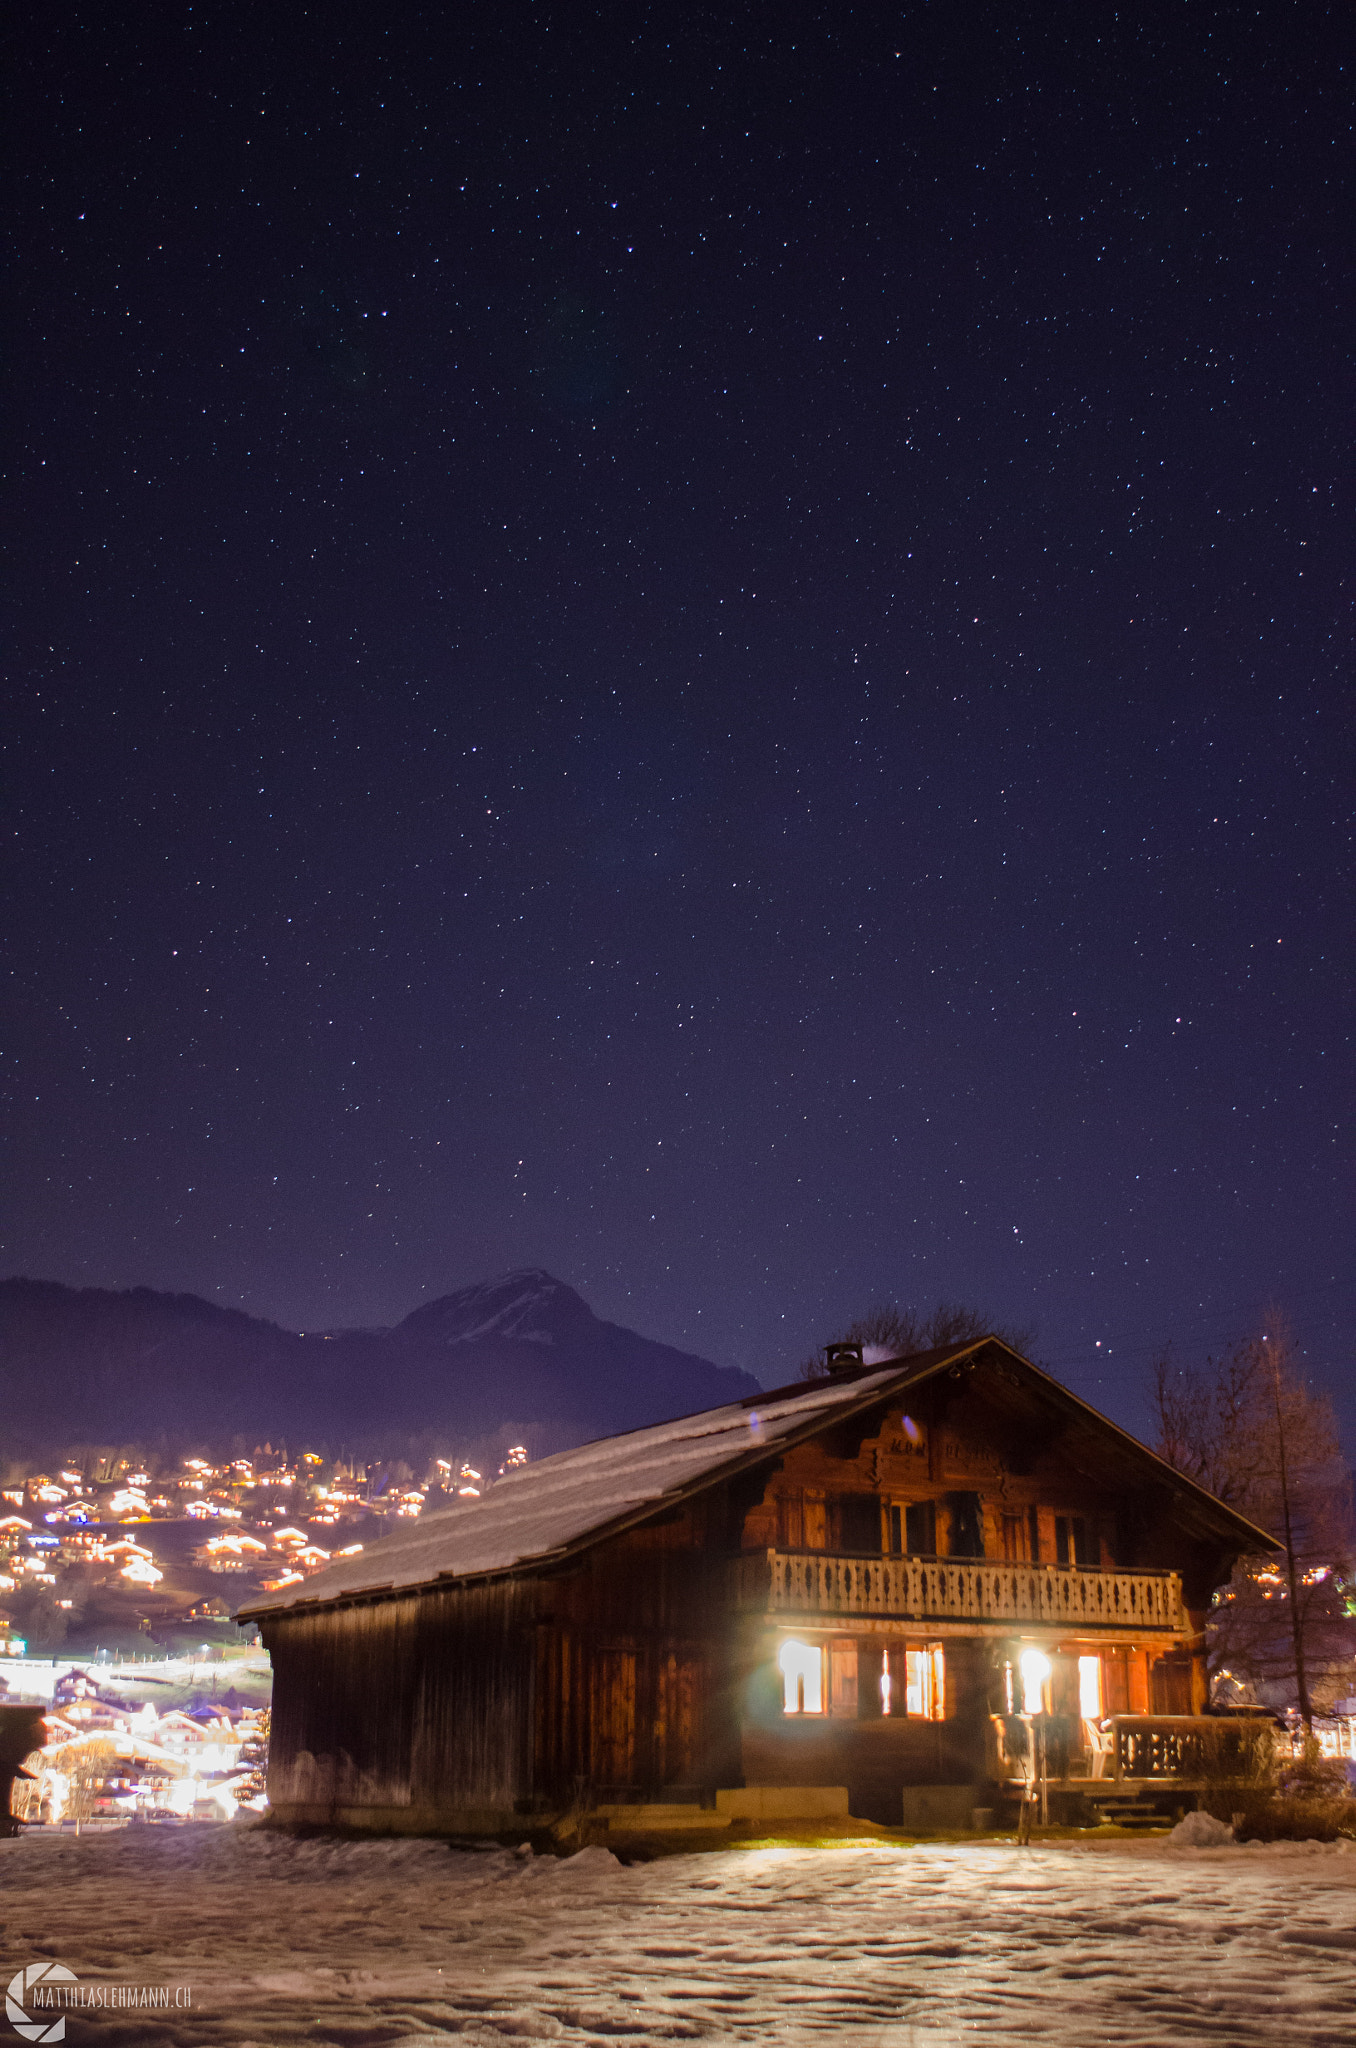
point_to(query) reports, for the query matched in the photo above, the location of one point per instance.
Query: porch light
(802, 1669)
(1035, 1666)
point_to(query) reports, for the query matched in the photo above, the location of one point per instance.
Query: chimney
(843, 1360)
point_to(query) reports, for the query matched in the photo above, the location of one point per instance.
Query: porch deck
(1130, 1753)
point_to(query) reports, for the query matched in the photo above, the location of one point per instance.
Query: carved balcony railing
(932, 1589)
(1135, 1749)
(1161, 1746)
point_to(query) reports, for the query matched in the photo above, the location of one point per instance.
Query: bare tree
(1250, 1428)
(900, 1332)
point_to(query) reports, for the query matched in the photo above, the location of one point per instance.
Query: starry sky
(706, 649)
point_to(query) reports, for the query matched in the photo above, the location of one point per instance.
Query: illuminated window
(1090, 1688)
(1035, 1667)
(802, 1669)
(923, 1682)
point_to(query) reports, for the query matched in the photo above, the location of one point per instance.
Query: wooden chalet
(908, 1579)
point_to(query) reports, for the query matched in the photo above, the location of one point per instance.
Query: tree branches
(1250, 1429)
(892, 1331)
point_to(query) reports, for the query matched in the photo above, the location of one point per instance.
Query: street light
(1036, 1668)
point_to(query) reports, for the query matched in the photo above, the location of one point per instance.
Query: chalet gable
(970, 1433)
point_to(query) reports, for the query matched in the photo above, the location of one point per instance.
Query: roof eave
(619, 1525)
(1171, 1476)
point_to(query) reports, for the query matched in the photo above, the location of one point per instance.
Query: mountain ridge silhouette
(522, 1352)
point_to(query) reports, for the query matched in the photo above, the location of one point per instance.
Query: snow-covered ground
(1144, 1944)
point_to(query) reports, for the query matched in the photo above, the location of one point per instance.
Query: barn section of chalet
(864, 1581)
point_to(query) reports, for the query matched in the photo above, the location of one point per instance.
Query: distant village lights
(68, 1533)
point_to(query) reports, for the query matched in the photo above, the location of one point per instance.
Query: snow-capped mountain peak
(529, 1305)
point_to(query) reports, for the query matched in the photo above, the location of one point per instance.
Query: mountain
(520, 1355)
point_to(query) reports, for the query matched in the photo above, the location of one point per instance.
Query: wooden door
(843, 1680)
(613, 1718)
(679, 1681)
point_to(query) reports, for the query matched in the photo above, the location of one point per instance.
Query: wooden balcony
(941, 1590)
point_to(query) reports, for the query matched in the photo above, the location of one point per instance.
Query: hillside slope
(523, 1353)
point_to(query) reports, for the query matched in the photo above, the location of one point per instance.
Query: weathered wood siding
(611, 1676)
(976, 1448)
(421, 1701)
(634, 1693)
(875, 1758)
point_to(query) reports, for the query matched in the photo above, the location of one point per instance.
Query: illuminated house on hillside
(892, 1580)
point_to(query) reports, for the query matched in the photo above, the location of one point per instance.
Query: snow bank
(1343, 1846)
(1202, 1831)
(591, 1860)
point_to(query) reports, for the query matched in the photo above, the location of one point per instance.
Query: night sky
(710, 650)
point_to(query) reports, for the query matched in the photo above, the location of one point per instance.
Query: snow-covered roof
(542, 1512)
(544, 1509)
